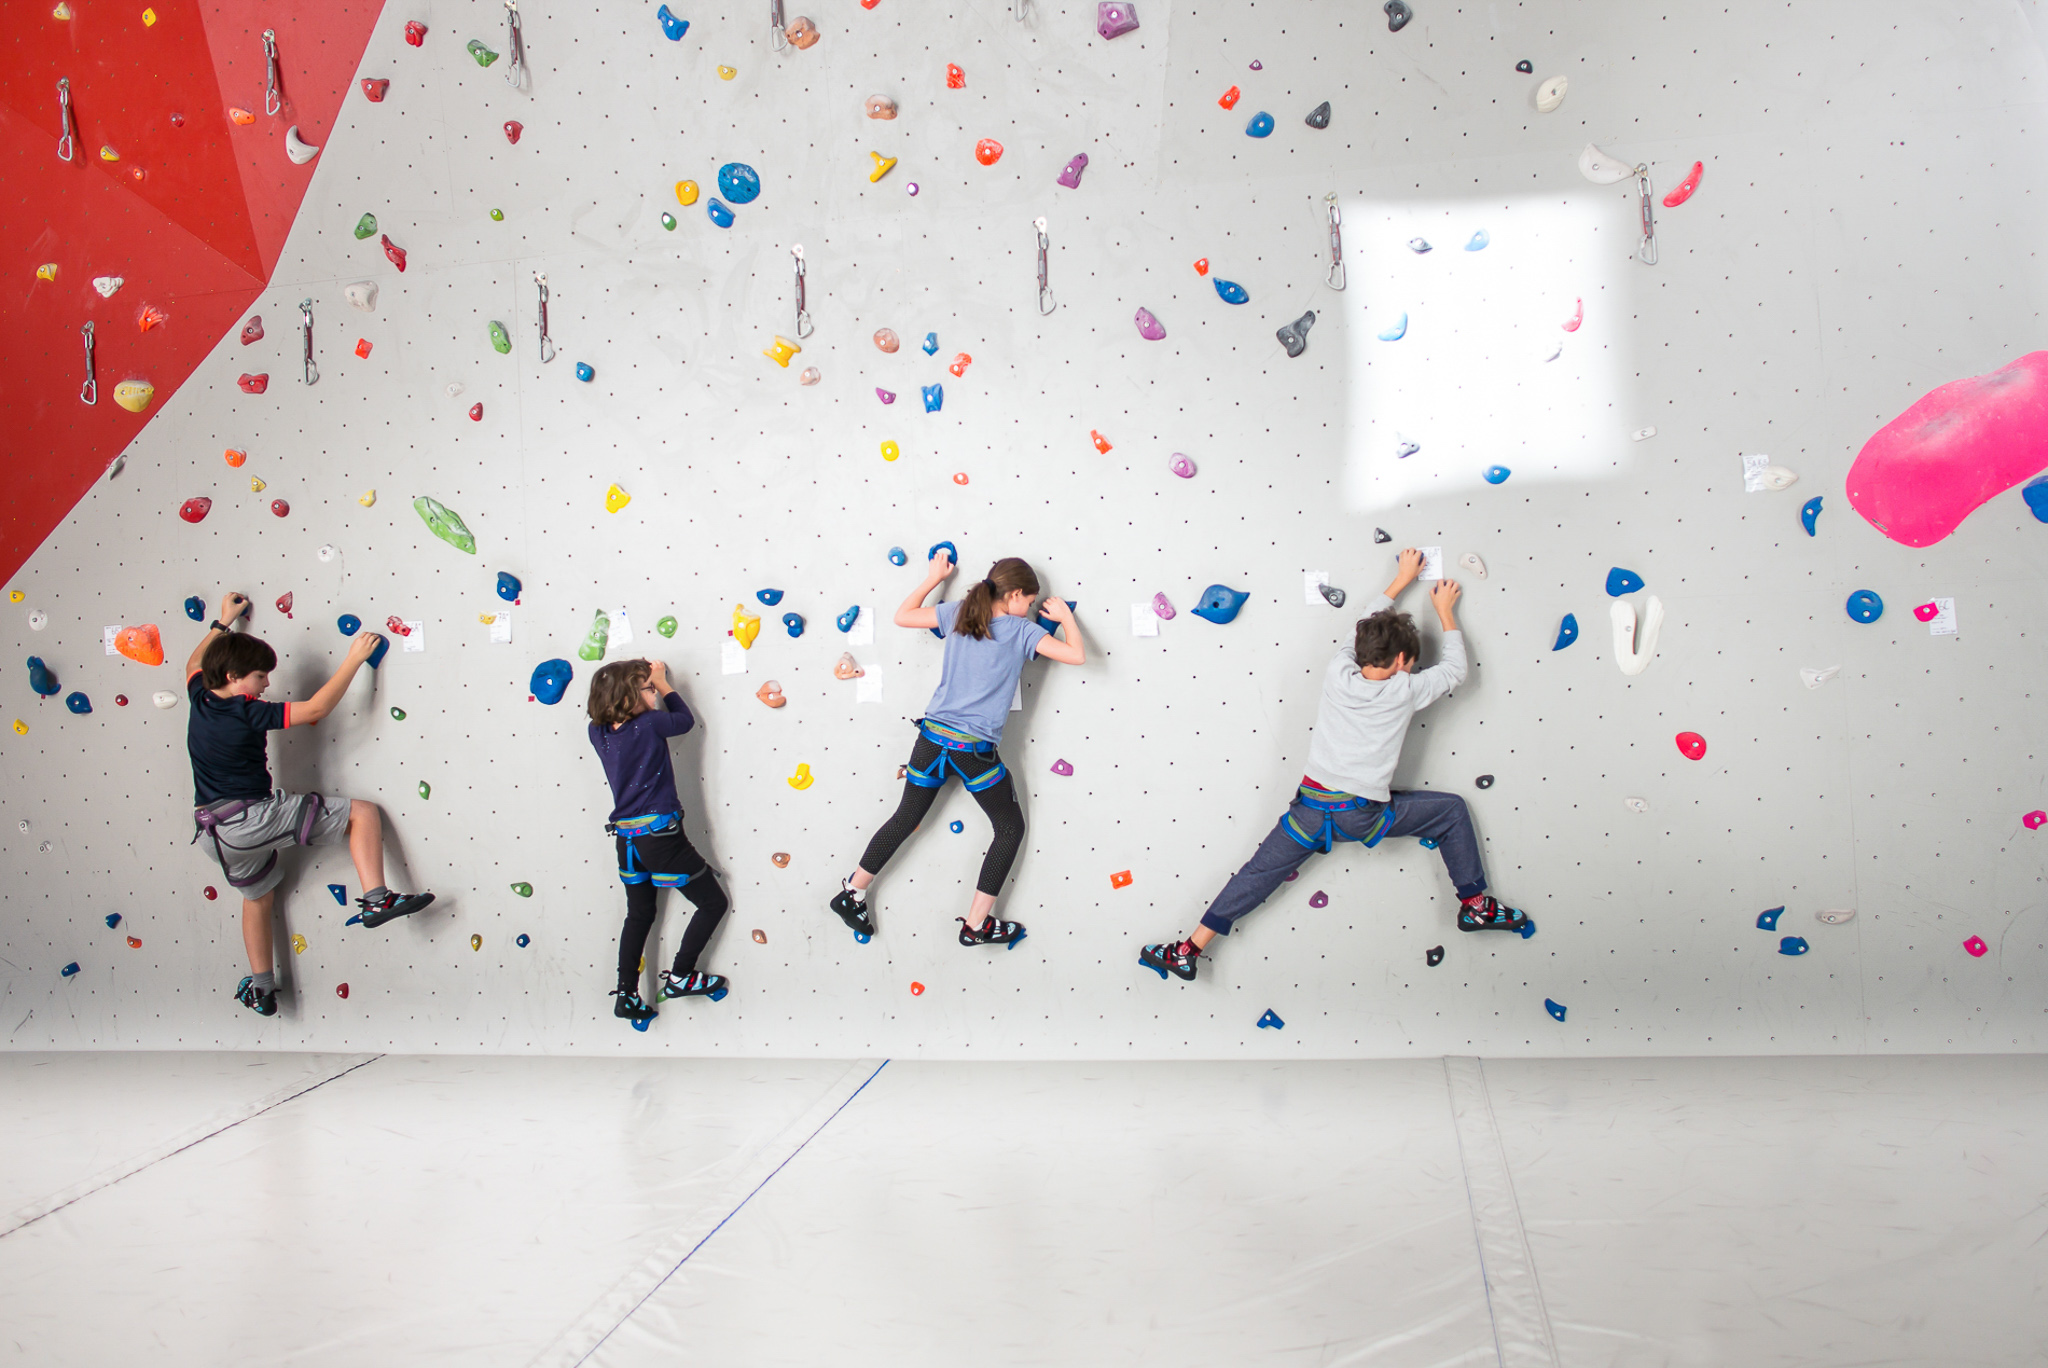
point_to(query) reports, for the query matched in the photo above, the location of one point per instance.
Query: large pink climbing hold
(1959, 446)
(1692, 745)
(2035, 820)
(1682, 191)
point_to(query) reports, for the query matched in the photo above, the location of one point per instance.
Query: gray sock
(265, 982)
(376, 895)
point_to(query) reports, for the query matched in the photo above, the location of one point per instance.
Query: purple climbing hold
(1071, 177)
(1183, 467)
(1114, 18)
(1162, 606)
(1319, 899)
(1149, 327)
(1062, 768)
(886, 396)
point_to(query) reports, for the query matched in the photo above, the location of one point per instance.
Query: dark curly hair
(1385, 637)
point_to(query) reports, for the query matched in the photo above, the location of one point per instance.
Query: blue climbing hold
(1231, 292)
(348, 624)
(931, 344)
(958, 827)
(739, 183)
(1271, 1021)
(848, 618)
(377, 655)
(68, 970)
(356, 920)
(675, 28)
(934, 398)
(896, 556)
(1768, 921)
(945, 546)
(1048, 623)
(1261, 125)
(551, 680)
(1864, 606)
(584, 372)
(1792, 945)
(39, 677)
(717, 211)
(1477, 243)
(78, 703)
(113, 920)
(1556, 1009)
(195, 608)
(641, 1024)
(771, 597)
(523, 941)
(1567, 632)
(340, 892)
(1620, 581)
(1397, 332)
(794, 622)
(2036, 495)
(1809, 514)
(508, 587)
(1219, 603)
(1497, 474)
(1528, 928)
(1426, 842)
(862, 936)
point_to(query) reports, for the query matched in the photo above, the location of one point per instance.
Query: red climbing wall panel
(196, 234)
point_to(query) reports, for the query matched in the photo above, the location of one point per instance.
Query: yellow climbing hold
(298, 944)
(47, 271)
(615, 499)
(108, 154)
(890, 451)
(726, 73)
(686, 192)
(487, 618)
(20, 727)
(782, 351)
(802, 778)
(476, 942)
(882, 165)
(149, 18)
(61, 12)
(256, 485)
(369, 497)
(134, 395)
(15, 596)
(745, 626)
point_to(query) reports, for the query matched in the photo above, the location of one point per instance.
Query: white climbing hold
(1636, 804)
(297, 148)
(454, 388)
(38, 620)
(1470, 560)
(106, 285)
(1835, 916)
(1813, 679)
(325, 553)
(1643, 434)
(1601, 169)
(361, 295)
(1777, 477)
(164, 698)
(1550, 94)
(1633, 647)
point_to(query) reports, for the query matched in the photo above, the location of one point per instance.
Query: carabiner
(90, 391)
(273, 101)
(515, 45)
(1647, 251)
(803, 317)
(1336, 244)
(547, 344)
(1046, 303)
(306, 331)
(781, 39)
(67, 140)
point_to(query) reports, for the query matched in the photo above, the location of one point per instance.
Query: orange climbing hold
(141, 644)
(956, 79)
(1201, 266)
(1120, 879)
(916, 988)
(1101, 442)
(1230, 98)
(960, 364)
(234, 457)
(241, 116)
(959, 477)
(988, 151)
(148, 316)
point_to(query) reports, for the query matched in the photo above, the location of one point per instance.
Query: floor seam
(1522, 1334)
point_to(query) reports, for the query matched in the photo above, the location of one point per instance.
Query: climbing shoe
(630, 1006)
(1178, 960)
(853, 911)
(257, 1001)
(1488, 915)
(392, 906)
(694, 984)
(994, 931)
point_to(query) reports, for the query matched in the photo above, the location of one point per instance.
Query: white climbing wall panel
(1867, 229)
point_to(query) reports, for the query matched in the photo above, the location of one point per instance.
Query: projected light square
(1486, 373)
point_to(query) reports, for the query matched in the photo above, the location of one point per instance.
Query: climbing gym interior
(480, 345)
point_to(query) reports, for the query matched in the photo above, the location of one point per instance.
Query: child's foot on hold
(1484, 914)
(852, 906)
(257, 1000)
(1178, 960)
(630, 1006)
(697, 983)
(994, 931)
(390, 906)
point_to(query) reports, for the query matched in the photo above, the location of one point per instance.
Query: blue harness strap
(630, 827)
(952, 743)
(1330, 803)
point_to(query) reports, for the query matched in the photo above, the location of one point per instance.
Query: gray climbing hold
(1319, 117)
(1332, 595)
(1398, 15)
(1294, 336)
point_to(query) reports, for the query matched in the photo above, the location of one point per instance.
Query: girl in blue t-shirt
(990, 635)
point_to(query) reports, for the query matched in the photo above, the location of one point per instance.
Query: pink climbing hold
(1149, 326)
(284, 604)
(395, 252)
(1062, 768)
(2034, 820)
(1957, 447)
(252, 331)
(1976, 946)
(1578, 316)
(1182, 466)
(1926, 612)
(1692, 745)
(254, 384)
(1162, 606)
(1682, 191)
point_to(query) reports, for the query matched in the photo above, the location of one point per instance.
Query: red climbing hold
(120, 700)
(210, 894)
(135, 942)
(284, 604)
(476, 413)
(397, 625)
(195, 510)
(1229, 100)
(341, 989)
(416, 34)
(1101, 442)
(374, 88)
(363, 347)
(279, 507)
(252, 331)
(988, 151)
(254, 384)
(395, 252)
(960, 364)
(916, 988)
(1682, 191)
(956, 79)
(1201, 266)
(513, 128)
(1692, 745)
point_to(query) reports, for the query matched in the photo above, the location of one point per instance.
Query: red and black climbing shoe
(854, 912)
(994, 931)
(1487, 915)
(1178, 960)
(630, 1006)
(697, 983)
(391, 907)
(254, 998)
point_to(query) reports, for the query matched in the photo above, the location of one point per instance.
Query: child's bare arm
(912, 612)
(324, 702)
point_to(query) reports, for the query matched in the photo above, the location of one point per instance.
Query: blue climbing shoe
(694, 984)
(1489, 915)
(1178, 960)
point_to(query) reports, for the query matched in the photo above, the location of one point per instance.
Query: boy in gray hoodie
(1369, 693)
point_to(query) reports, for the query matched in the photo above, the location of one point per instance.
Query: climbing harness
(660, 824)
(1330, 803)
(953, 743)
(207, 821)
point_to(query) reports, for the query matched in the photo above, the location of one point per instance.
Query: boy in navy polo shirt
(242, 820)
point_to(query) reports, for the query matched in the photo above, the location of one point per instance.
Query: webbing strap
(1329, 833)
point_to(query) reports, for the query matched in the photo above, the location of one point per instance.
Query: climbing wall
(1862, 232)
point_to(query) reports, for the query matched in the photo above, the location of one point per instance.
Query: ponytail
(978, 609)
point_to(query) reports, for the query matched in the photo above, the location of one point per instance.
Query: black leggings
(998, 801)
(669, 852)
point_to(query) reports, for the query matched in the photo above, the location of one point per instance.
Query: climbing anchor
(1336, 244)
(1046, 303)
(306, 334)
(803, 315)
(547, 344)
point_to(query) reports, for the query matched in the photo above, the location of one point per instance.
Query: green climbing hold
(366, 226)
(398, 714)
(500, 339)
(667, 626)
(446, 522)
(497, 215)
(594, 640)
(524, 890)
(668, 221)
(484, 56)
(426, 789)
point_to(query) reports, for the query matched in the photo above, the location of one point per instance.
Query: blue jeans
(1420, 812)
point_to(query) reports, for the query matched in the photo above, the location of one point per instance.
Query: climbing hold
(1332, 595)
(252, 331)
(1484, 781)
(810, 375)
(1398, 331)
(781, 350)
(426, 789)
(501, 341)
(769, 597)
(930, 344)
(1777, 477)
(1927, 612)
(363, 347)
(1149, 327)
(284, 604)
(374, 88)
(957, 827)
(739, 182)
(934, 398)
(686, 193)
(599, 635)
(881, 167)
(1526, 67)
(881, 107)
(445, 523)
(726, 73)
(2036, 495)
(770, 693)
(209, 893)
(1578, 316)
(508, 586)
(1102, 443)
(2034, 820)
(675, 28)
(1554, 1008)
(1620, 581)
(1567, 632)
(956, 79)
(195, 608)
(886, 339)
(793, 623)
(341, 989)
(1182, 466)
(1601, 169)
(1643, 434)
(397, 625)
(1682, 192)
(550, 680)
(141, 644)
(37, 620)
(47, 271)
(1551, 94)
(78, 703)
(961, 361)
(1398, 15)
(988, 151)
(415, 32)
(1062, 768)
(484, 56)
(1231, 292)
(68, 970)
(668, 220)
(195, 510)
(1113, 18)
(1809, 514)
(1381, 536)
(1271, 1021)
(846, 667)
(149, 316)
(348, 624)
(1865, 606)
(134, 395)
(1976, 946)
(1294, 336)
(718, 213)
(1636, 804)
(745, 627)
(1632, 649)
(361, 295)
(1319, 117)
(1319, 899)
(366, 225)
(1478, 241)
(959, 477)
(1792, 945)
(1261, 125)
(1496, 474)
(585, 372)
(256, 484)
(890, 451)
(801, 779)
(476, 942)
(1230, 98)
(523, 941)
(1120, 879)
(106, 285)
(1219, 604)
(279, 507)
(120, 700)
(1768, 920)
(1162, 607)
(394, 252)
(297, 148)
(1691, 745)
(615, 499)
(1071, 176)
(1470, 560)
(476, 415)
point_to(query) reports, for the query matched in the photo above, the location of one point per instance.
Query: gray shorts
(268, 825)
